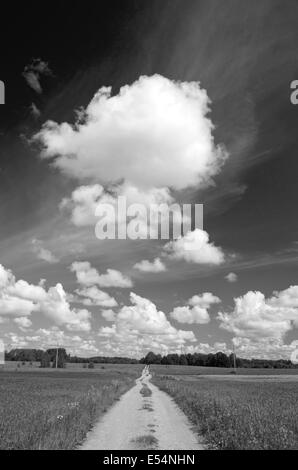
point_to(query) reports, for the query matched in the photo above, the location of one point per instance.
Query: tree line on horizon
(49, 357)
(218, 359)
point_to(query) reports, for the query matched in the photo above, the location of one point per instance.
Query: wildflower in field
(60, 417)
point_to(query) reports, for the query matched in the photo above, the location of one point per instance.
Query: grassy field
(49, 409)
(197, 370)
(70, 366)
(236, 412)
(54, 409)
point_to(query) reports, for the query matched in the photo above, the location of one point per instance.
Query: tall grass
(51, 410)
(238, 415)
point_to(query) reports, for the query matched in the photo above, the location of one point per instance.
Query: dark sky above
(112, 43)
(243, 53)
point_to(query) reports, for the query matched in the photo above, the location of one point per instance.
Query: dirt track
(143, 422)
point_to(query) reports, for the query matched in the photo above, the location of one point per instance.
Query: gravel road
(143, 418)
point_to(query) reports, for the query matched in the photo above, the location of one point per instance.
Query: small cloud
(109, 315)
(35, 111)
(88, 276)
(196, 310)
(95, 297)
(33, 72)
(23, 322)
(231, 277)
(43, 253)
(195, 247)
(155, 266)
(204, 300)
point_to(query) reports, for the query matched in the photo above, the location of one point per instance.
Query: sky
(158, 102)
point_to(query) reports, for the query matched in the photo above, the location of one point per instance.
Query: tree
(222, 360)
(158, 359)
(183, 360)
(58, 355)
(173, 359)
(91, 365)
(24, 355)
(150, 358)
(45, 360)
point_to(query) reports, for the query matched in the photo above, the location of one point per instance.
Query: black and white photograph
(148, 229)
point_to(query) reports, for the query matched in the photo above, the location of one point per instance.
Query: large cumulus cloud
(153, 133)
(256, 317)
(141, 327)
(21, 299)
(148, 142)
